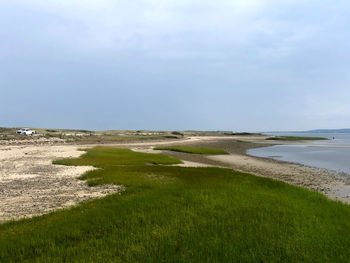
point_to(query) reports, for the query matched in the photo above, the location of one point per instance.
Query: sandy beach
(31, 185)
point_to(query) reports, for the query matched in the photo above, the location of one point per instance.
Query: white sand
(31, 185)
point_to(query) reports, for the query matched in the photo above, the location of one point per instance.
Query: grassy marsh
(177, 214)
(192, 149)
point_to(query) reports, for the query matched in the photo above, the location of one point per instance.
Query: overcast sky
(253, 65)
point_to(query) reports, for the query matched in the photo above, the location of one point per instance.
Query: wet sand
(332, 184)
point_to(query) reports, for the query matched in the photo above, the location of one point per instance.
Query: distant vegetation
(218, 133)
(243, 141)
(178, 214)
(245, 134)
(191, 149)
(108, 136)
(294, 138)
(177, 133)
(86, 136)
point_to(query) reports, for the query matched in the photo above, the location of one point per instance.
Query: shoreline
(333, 184)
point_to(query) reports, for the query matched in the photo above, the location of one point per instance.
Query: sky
(240, 65)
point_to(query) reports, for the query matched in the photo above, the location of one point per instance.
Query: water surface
(333, 154)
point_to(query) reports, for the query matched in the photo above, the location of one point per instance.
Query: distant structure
(25, 131)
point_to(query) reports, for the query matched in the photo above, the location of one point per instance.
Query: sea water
(332, 154)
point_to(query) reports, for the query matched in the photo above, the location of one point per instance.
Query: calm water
(333, 154)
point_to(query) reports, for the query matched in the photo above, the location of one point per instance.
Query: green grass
(177, 214)
(294, 138)
(191, 149)
(102, 157)
(243, 141)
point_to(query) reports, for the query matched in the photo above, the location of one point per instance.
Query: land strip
(31, 185)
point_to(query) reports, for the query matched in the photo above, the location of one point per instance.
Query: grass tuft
(193, 150)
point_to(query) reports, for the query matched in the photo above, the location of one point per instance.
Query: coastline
(32, 185)
(334, 185)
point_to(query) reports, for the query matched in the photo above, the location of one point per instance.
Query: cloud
(119, 24)
(261, 54)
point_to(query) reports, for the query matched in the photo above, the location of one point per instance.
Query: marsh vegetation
(294, 138)
(178, 214)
